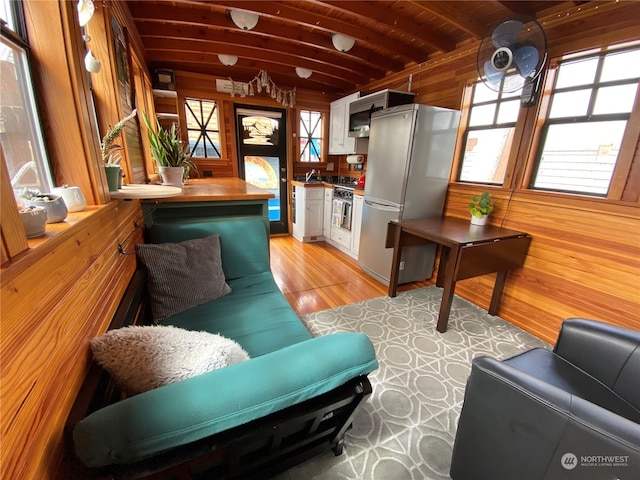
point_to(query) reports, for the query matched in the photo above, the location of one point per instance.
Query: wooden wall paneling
(50, 309)
(62, 93)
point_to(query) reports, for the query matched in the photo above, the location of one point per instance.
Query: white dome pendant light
(303, 72)
(243, 19)
(342, 42)
(228, 60)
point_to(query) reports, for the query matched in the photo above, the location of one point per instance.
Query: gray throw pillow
(142, 358)
(182, 275)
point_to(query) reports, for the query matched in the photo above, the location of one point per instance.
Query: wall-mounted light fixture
(342, 42)
(303, 72)
(244, 20)
(85, 11)
(228, 60)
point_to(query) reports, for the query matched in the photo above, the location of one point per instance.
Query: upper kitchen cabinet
(339, 141)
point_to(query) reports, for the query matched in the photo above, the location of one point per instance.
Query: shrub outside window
(310, 136)
(590, 105)
(203, 129)
(489, 134)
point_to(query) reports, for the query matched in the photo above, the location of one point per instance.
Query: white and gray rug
(407, 428)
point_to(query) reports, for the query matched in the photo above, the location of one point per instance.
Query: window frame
(630, 135)
(186, 129)
(464, 129)
(323, 138)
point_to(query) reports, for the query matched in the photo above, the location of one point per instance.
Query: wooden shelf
(167, 116)
(164, 93)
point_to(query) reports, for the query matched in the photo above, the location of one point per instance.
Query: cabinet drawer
(328, 193)
(341, 236)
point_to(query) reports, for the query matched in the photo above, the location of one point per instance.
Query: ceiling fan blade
(506, 33)
(493, 76)
(526, 60)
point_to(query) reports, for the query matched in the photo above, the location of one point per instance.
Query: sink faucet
(309, 174)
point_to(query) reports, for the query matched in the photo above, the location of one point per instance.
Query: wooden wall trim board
(50, 310)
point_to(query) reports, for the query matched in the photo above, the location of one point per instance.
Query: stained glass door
(262, 157)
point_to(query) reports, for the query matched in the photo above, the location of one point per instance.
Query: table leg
(442, 265)
(498, 288)
(395, 263)
(449, 286)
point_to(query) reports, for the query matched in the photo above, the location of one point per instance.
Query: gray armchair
(570, 413)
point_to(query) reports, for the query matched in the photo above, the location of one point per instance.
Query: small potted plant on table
(172, 157)
(111, 153)
(480, 208)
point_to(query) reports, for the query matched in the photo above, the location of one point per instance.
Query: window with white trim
(20, 128)
(489, 133)
(310, 136)
(592, 98)
(203, 128)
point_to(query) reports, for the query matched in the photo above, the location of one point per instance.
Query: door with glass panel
(262, 157)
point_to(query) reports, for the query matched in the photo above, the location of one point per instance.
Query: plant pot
(73, 198)
(479, 221)
(112, 172)
(172, 176)
(34, 220)
(53, 204)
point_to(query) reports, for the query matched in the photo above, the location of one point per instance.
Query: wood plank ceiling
(389, 36)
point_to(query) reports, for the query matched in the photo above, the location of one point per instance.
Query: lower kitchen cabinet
(328, 210)
(308, 211)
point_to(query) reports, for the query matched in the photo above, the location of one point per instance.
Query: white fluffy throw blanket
(147, 357)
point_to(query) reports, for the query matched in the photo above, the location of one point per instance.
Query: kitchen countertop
(219, 189)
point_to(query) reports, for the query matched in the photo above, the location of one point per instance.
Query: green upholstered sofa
(293, 399)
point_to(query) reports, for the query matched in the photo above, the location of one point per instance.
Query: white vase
(479, 221)
(172, 176)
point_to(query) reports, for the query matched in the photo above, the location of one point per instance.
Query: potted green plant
(110, 151)
(480, 208)
(172, 157)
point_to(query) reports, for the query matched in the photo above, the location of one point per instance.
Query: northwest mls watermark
(570, 461)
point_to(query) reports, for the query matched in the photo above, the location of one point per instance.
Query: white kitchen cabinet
(339, 141)
(328, 211)
(356, 223)
(308, 213)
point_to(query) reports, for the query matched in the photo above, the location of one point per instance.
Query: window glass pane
(580, 157)
(202, 128)
(482, 115)
(508, 111)
(570, 104)
(20, 134)
(482, 93)
(620, 66)
(618, 99)
(260, 130)
(310, 136)
(581, 72)
(7, 15)
(486, 155)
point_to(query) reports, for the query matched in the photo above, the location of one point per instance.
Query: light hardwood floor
(317, 276)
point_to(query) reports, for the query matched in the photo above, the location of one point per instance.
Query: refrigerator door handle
(380, 206)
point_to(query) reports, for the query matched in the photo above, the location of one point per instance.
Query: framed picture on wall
(122, 64)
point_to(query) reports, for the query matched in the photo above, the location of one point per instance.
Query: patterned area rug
(407, 428)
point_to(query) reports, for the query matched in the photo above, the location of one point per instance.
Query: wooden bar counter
(215, 199)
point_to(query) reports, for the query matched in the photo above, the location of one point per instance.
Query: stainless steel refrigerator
(408, 165)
